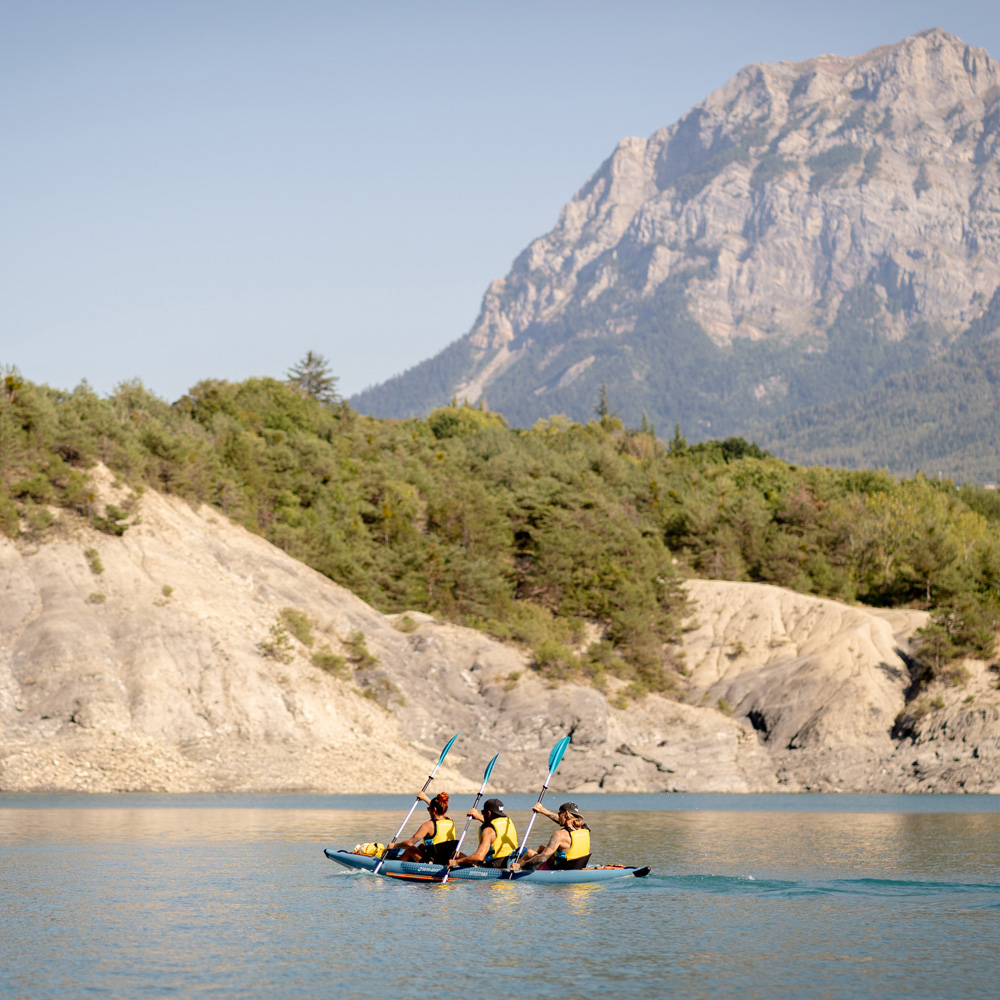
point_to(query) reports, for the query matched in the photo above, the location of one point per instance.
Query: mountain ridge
(808, 230)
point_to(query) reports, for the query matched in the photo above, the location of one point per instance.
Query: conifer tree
(312, 377)
(678, 443)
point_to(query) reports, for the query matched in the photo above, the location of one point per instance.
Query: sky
(210, 189)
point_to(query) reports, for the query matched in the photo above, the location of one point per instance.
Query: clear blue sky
(209, 189)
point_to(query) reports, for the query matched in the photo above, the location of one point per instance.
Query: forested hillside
(937, 417)
(536, 535)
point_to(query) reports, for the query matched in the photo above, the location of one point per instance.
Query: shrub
(298, 623)
(93, 561)
(277, 646)
(357, 650)
(329, 661)
(96, 598)
(405, 624)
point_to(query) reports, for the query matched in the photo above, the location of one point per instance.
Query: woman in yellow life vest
(497, 837)
(434, 841)
(568, 847)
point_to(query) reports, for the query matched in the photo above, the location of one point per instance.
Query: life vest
(505, 841)
(444, 830)
(578, 853)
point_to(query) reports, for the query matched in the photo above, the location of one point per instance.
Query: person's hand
(452, 863)
(516, 866)
(538, 808)
(423, 797)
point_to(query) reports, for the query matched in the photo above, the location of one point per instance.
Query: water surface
(750, 896)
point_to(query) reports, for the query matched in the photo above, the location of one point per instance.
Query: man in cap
(568, 847)
(497, 838)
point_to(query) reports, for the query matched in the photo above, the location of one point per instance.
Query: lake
(127, 896)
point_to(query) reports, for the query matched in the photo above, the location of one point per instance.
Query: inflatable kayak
(417, 872)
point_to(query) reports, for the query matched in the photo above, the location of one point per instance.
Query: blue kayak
(417, 872)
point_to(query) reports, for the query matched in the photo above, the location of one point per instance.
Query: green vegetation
(278, 645)
(93, 561)
(770, 167)
(329, 661)
(298, 623)
(831, 163)
(937, 415)
(532, 535)
(312, 377)
(167, 590)
(358, 652)
(688, 185)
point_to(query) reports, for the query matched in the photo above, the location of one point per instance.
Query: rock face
(807, 229)
(135, 663)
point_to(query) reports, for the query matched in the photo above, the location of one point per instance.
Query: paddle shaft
(402, 826)
(531, 822)
(468, 821)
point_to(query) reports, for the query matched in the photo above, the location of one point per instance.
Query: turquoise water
(754, 896)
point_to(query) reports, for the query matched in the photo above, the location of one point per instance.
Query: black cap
(494, 807)
(572, 808)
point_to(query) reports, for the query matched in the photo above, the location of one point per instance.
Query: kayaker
(497, 837)
(568, 847)
(435, 840)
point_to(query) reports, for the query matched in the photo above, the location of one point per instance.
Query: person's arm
(547, 813)
(424, 797)
(558, 839)
(481, 851)
(424, 830)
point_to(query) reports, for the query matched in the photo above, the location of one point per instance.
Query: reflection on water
(211, 899)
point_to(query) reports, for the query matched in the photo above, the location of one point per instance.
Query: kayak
(418, 872)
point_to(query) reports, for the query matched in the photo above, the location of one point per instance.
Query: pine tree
(312, 376)
(678, 444)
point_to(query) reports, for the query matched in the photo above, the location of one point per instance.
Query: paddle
(430, 778)
(555, 756)
(475, 805)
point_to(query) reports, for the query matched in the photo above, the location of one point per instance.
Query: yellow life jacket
(579, 847)
(444, 830)
(505, 841)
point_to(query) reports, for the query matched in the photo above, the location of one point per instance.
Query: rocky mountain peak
(797, 191)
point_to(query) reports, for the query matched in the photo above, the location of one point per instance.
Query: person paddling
(568, 847)
(497, 838)
(435, 840)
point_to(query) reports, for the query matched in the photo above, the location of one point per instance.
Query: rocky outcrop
(797, 182)
(138, 663)
(805, 221)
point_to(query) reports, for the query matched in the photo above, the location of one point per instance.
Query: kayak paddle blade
(489, 769)
(557, 753)
(444, 752)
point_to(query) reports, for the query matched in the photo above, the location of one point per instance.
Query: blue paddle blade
(444, 752)
(489, 768)
(557, 753)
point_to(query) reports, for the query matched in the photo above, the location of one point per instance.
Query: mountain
(806, 234)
